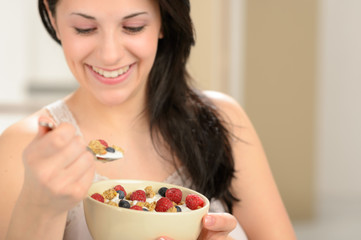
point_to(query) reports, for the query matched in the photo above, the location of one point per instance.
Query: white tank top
(76, 227)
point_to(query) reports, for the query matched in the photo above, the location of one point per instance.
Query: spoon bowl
(109, 156)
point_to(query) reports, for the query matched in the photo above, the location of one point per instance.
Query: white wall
(27, 53)
(27, 56)
(45, 60)
(339, 110)
(12, 49)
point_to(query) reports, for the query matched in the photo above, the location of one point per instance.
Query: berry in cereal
(194, 201)
(110, 149)
(163, 205)
(120, 188)
(124, 204)
(162, 191)
(103, 142)
(136, 207)
(98, 197)
(121, 194)
(178, 209)
(138, 195)
(174, 194)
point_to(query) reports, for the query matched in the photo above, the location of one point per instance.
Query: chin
(110, 99)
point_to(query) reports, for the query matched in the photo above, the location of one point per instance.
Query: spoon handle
(49, 126)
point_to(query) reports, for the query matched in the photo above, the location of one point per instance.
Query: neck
(125, 117)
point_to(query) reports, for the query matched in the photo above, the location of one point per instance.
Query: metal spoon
(108, 157)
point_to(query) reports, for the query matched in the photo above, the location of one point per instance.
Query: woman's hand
(58, 169)
(216, 226)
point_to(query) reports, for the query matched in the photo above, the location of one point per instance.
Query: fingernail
(209, 220)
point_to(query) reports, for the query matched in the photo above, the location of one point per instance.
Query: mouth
(113, 73)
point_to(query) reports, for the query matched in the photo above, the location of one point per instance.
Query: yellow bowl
(109, 222)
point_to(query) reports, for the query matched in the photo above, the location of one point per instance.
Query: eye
(133, 30)
(84, 31)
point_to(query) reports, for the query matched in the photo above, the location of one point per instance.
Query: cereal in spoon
(104, 152)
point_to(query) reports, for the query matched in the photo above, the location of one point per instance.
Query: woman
(129, 58)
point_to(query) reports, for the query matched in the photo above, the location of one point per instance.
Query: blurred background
(294, 65)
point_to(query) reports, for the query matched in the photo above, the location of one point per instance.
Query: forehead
(107, 8)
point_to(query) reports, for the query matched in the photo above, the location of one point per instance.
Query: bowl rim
(134, 181)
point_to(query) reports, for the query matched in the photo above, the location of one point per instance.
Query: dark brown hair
(183, 116)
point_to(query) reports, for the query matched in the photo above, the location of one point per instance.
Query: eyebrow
(93, 18)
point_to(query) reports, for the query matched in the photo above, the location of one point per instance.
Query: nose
(110, 48)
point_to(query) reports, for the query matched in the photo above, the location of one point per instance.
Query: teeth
(111, 74)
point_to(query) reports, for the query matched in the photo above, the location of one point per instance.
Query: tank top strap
(60, 112)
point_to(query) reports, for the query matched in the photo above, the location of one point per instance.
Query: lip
(111, 81)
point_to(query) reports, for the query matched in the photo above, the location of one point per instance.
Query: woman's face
(109, 45)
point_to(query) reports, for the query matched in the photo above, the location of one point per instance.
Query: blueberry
(121, 194)
(145, 209)
(124, 204)
(110, 149)
(162, 191)
(178, 208)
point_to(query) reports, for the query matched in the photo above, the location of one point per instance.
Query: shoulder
(19, 134)
(227, 107)
(221, 99)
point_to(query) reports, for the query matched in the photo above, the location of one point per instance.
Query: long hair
(179, 114)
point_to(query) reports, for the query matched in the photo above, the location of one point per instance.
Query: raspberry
(138, 195)
(194, 201)
(98, 197)
(163, 205)
(174, 194)
(135, 207)
(103, 142)
(120, 188)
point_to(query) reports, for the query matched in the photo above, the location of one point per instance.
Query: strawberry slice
(103, 142)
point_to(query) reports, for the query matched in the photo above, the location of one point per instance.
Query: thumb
(46, 124)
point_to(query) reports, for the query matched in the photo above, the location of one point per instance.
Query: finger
(57, 139)
(72, 151)
(219, 222)
(75, 171)
(67, 180)
(84, 182)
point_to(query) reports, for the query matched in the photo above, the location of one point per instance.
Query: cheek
(76, 48)
(144, 48)
(75, 51)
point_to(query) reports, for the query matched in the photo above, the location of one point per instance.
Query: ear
(52, 19)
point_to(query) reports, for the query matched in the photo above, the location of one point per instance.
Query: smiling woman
(129, 58)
